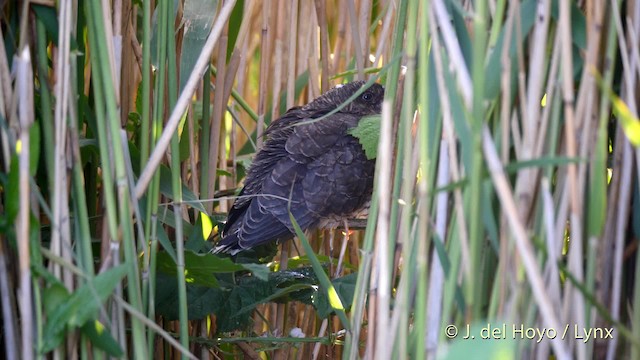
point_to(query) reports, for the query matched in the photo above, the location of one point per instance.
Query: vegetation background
(506, 186)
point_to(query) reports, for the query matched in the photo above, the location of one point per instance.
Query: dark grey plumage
(316, 170)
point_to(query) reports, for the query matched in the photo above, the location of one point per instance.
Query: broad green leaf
(54, 296)
(343, 288)
(235, 22)
(299, 261)
(85, 297)
(238, 296)
(202, 269)
(197, 19)
(258, 270)
(197, 241)
(47, 15)
(81, 306)
(201, 300)
(199, 269)
(101, 338)
(279, 293)
(368, 134)
(220, 172)
(163, 239)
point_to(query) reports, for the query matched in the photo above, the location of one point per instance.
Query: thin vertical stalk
(24, 92)
(386, 219)
(383, 273)
(265, 53)
(176, 182)
(145, 117)
(474, 285)
(153, 195)
(83, 234)
(45, 102)
(321, 13)
(291, 68)
(219, 108)
(355, 36)
(403, 302)
(393, 81)
(278, 62)
(427, 174)
(205, 129)
(60, 239)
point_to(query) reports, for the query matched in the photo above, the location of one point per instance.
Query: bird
(310, 166)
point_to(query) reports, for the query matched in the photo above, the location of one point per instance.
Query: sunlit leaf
(101, 338)
(630, 124)
(368, 134)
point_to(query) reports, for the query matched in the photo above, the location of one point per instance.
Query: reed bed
(506, 204)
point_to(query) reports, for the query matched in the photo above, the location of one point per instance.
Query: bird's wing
(261, 212)
(265, 160)
(339, 182)
(267, 217)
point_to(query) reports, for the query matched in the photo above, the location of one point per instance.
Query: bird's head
(369, 102)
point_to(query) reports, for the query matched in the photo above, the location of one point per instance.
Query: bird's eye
(367, 96)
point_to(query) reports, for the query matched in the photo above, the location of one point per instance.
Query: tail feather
(228, 245)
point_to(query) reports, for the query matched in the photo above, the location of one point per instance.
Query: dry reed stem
(356, 38)
(506, 115)
(265, 55)
(278, 56)
(383, 42)
(321, 13)
(61, 232)
(24, 90)
(574, 184)
(381, 271)
(550, 93)
(216, 136)
(291, 64)
(313, 89)
(364, 22)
